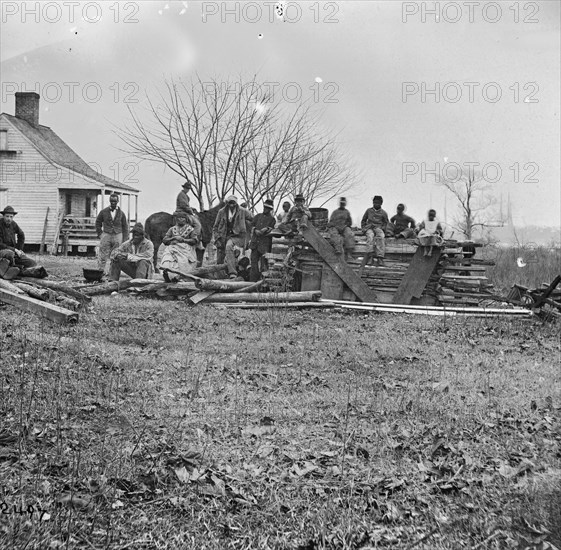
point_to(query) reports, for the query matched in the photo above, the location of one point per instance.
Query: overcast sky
(365, 54)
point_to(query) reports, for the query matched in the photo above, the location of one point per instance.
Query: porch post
(129, 209)
(136, 207)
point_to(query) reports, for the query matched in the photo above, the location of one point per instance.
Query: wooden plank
(43, 309)
(44, 236)
(200, 296)
(331, 284)
(416, 277)
(338, 265)
(546, 293)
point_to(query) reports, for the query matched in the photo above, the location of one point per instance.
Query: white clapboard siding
(33, 184)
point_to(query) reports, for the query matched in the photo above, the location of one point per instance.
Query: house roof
(58, 152)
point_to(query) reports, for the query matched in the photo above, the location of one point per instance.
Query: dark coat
(239, 225)
(11, 236)
(262, 243)
(105, 223)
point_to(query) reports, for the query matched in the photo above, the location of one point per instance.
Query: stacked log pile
(457, 279)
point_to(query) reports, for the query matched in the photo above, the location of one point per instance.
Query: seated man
(12, 239)
(340, 232)
(283, 216)
(134, 257)
(181, 241)
(403, 225)
(374, 224)
(297, 217)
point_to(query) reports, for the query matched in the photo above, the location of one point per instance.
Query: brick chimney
(27, 107)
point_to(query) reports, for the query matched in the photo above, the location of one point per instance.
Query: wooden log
(42, 309)
(183, 287)
(55, 285)
(251, 288)
(39, 293)
(107, 288)
(223, 286)
(10, 287)
(68, 303)
(270, 297)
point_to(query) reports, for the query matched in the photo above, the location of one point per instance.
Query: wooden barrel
(320, 217)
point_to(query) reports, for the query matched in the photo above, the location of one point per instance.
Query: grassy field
(150, 425)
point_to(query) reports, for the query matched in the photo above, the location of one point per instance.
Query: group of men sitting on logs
(235, 230)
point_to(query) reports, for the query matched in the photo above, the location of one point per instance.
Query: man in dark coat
(12, 239)
(229, 232)
(261, 242)
(112, 228)
(340, 230)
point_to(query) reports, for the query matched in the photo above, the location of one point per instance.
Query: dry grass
(151, 425)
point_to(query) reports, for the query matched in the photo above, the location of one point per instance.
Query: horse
(157, 226)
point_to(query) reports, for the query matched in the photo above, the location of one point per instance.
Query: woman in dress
(181, 242)
(429, 233)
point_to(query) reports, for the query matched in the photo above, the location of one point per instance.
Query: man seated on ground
(12, 239)
(283, 216)
(181, 241)
(403, 226)
(261, 240)
(297, 218)
(230, 232)
(134, 257)
(340, 230)
(374, 224)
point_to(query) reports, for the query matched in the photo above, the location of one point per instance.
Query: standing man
(403, 225)
(112, 229)
(230, 232)
(283, 216)
(12, 239)
(134, 257)
(340, 231)
(261, 242)
(183, 202)
(374, 224)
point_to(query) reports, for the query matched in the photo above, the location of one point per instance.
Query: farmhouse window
(3, 140)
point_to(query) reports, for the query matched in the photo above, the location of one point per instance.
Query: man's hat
(299, 197)
(138, 229)
(187, 184)
(180, 214)
(378, 198)
(343, 199)
(8, 210)
(269, 204)
(231, 198)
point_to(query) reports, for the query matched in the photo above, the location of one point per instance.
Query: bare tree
(474, 201)
(230, 136)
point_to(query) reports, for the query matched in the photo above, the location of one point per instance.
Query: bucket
(320, 217)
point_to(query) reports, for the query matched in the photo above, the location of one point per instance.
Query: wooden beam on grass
(42, 309)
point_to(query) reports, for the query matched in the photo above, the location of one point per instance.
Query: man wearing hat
(183, 202)
(112, 228)
(340, 229)
(298, 217)
(374, 224)
(230, 232)
(134, 257)
(403, 225)
(12, 239)
(261, 241)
